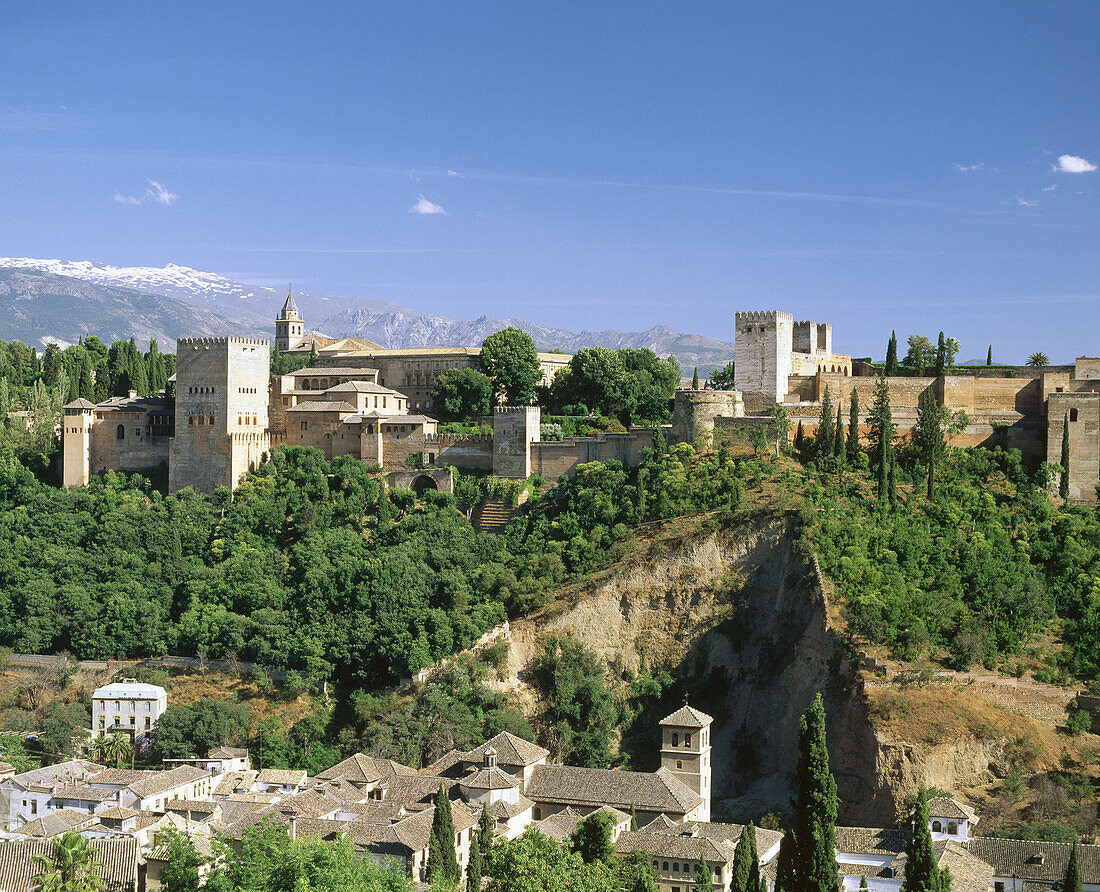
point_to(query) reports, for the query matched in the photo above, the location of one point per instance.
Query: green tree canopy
(592, 838)
(461, 393)
(442, 860)
(534, 863)
(815, 809)
(71, 866)
(511, 361)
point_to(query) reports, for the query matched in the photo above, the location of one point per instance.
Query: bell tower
(685, 751)
(289, 326)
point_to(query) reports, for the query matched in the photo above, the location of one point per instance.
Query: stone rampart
(553, 458)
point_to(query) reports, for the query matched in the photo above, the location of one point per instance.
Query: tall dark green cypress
(892, 356)
(799, 438)
(941, 355)
(853, 427)
(815, 808)
(784, 863)
(695, 379)
(756, 881)
(742, 865)
(442, 860)
(989, 356)
(823, 439)
(839, 452)
(475, 868)
(1072, 882)
(486, 826)
(892, 484)
(882, 434)
(1063, 482)
(922, 872)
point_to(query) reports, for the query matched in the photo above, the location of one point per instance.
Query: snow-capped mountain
(254, 307)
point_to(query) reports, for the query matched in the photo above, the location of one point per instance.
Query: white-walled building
(128, 707)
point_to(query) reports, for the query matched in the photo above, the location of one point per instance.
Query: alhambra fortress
(223, 412)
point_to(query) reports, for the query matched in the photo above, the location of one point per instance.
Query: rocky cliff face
(741, 616)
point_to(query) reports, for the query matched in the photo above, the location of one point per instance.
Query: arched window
(687, 740)
(937, 827)
(675, 866)
(537, 813)
(120, 432)
(1072, 414)
(664, 866)
(953, 828)
(675, 739)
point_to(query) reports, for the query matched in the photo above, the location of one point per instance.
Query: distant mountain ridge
(220, 300)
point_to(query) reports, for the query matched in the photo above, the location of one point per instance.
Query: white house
(128, 707)
(26, 797)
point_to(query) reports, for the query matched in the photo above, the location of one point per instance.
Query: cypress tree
(892, 485)
(442, 860)
(941, 355)
(592, 838)
(1063, 483)
(928, 433)
(853, 427)
(313, 355)
(704, 882)
(823, 439)
(839, 452)
(784, 863)
(633, 817)
(799, 438)
(863, 883)
(85, 388)
(485, 829)
(892, 356)
(1072, 882)
(815, 807)
(922, 871)
(695, 379)
(989, 356)
(474, 868)
(742, 865)
(882, 434)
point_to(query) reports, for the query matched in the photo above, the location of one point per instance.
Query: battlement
(512, 410)
(763, 316)
(446, 439)
(207, 343)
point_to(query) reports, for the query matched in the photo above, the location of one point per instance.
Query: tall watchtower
(685, 751)
(77, 438)
(762, 345)
(221, 411)
(289, 325)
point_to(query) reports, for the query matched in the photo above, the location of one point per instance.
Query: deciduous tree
(511, 361)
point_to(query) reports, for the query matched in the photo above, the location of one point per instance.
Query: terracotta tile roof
(505, 811)
(117, 813)
(871, 840)
(489, 779)
(687, 717)
(362, 769)
(85, 793)
(322, 406)
(968, 872)
(593, 787)
(1032, 860)
(228, 752)
(70, 772)
(417, 790)
(510, 750)
(669, 845)
(200, 841)
(79, 404)
(363, 387)
(331, 372)
(659, 823)
(941, 807)
(163, 781)
(57, 822)
(444, 763)
(560, 827)
(119, 858)
(283, 776)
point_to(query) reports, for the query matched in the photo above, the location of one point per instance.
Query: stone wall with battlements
(553, 458)
(694, 411)
(515, 428)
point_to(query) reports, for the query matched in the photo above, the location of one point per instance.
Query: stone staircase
(492, 516)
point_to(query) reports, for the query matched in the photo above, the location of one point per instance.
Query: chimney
(490, 758)
(133, 394)
(292, 822)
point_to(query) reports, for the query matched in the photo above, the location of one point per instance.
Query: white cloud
(977, 165)
(156, 192)
(1050, 188)
(1073, 164)
(455, 173)
(159, 193)
(423, 206)
(1024, 203)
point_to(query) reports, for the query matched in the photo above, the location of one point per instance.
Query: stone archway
(422, 484)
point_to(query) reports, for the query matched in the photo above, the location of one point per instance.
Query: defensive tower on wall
(763, 341)
(221, 411)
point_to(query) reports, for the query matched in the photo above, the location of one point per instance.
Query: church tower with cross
(685, 751)
(289, 325)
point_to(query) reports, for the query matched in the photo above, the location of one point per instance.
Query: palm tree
(118, 747)
(72, 866)
(100, 747)
(1038, 360)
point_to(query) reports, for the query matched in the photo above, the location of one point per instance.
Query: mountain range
(58, 300)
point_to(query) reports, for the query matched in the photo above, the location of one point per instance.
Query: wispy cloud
(1050, 188)
(977, 165)
(423, 206)
(1073, 164)
(155, 192)
(1025, 203)
(455, 173)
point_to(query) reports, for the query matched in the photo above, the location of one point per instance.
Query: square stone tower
(221, 411)
(515, 428)
(1080, 410)
(762, 345)
(685, 751)
(77, 439)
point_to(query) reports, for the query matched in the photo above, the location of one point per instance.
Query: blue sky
(877, 165)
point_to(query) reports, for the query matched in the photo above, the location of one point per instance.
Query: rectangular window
(305, 425)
